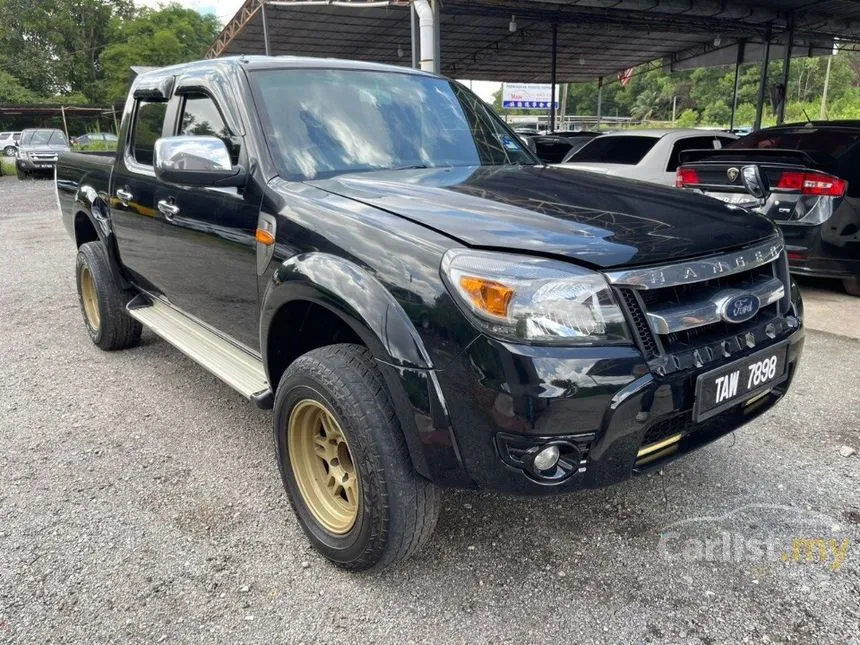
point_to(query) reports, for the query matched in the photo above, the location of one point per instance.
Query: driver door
(208, 239)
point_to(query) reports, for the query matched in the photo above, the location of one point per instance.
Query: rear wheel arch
(85, 230)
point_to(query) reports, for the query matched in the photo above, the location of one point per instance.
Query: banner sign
(527, 96)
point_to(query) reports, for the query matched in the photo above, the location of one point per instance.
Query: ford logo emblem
(740, 308)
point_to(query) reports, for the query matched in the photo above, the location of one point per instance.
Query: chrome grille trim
(692, 271)
(708, 310)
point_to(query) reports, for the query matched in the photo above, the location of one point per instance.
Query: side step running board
(237, 368)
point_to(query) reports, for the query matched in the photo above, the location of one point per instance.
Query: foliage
(651, 93)
(80, 51)
(11, 91)
(688, 119)
(7, 166)
(155, 38)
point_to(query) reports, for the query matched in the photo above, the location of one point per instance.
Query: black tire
(9, 151)
(22, 175)
(397, 508)
(114, 328)
(852, 286)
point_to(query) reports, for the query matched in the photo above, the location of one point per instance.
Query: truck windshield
(321, 123)
(43, 138)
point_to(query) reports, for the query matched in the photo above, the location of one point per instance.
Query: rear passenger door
(136, 223)
(208, 241)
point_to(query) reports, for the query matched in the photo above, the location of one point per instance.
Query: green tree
(155, 38)
(717, 113)
(52, 47)
(688, 119)
(11, 91)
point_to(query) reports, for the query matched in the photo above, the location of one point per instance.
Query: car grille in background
(43, 156)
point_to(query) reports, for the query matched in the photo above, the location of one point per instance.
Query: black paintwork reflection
(377, 260)
(594, 219)
(209, 257)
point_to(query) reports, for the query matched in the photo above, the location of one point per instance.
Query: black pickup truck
(371, 252)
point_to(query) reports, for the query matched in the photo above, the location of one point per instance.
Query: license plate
(739, 381)
(44, 165)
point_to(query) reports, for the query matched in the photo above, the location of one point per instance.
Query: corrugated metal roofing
(595, 37)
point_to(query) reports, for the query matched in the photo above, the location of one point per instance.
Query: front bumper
(605, 404)
(37, 165)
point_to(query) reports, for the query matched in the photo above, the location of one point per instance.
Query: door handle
(168, 209)
(124, 196)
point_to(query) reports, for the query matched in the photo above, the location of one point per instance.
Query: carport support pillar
(437, 37)
(552, 78)
(416, 45)
(599, 101)
(268, 48)
(786, 66)
(65, 125)
(428, 27)
(762, 82)
(738, 62)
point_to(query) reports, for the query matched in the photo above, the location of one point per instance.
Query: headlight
(534, 300)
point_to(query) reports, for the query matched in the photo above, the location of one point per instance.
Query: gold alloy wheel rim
(90, 299)
(323, 466)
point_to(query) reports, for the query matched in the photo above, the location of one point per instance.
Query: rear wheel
(852, 286)
(344, 461)
(103, 301)
(9, 151)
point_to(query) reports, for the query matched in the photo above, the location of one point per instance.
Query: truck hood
(594, 219)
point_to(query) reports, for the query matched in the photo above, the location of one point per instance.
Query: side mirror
(196, 161)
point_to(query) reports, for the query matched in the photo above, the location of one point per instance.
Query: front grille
(678, 321)
(636, 316)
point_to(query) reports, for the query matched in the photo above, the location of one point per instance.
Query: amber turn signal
(487, 295)
(264, 237)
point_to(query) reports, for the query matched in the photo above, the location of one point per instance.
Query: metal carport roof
(596, 38)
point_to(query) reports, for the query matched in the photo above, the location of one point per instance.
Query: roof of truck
(277, 62)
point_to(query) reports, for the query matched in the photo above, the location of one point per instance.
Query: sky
(226, 9)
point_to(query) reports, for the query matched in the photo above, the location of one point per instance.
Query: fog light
(546, 458)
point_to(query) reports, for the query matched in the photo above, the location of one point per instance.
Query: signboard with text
(527, 96)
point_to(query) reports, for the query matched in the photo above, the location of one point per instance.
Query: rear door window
(691, 143)
(148, 124)
(621, 150)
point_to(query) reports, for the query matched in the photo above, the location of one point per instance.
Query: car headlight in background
(534, 300)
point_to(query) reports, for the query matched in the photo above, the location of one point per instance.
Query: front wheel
(344, 461)
(9, 151)
(22, 175)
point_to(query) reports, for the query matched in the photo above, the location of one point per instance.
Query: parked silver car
(9, 143)
(38, 151)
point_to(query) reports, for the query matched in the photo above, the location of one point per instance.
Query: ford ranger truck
(375, 255)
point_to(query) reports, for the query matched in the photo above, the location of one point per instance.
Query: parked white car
(9, 143)
(647, 155)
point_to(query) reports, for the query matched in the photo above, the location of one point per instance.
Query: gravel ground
(140, 503)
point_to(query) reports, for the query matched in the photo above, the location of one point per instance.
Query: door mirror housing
(196, 161)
